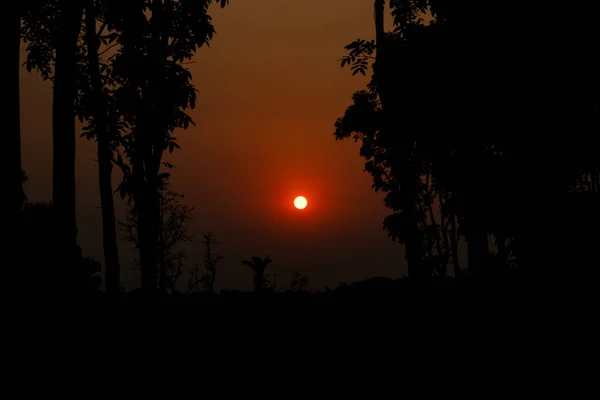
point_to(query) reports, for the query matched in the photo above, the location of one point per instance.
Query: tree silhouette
(102, 127)
(299, 283)
(210, 261)
(435, 127)
(106, 93)
(392, 159)
(70, 14)
(205, 274)
(52, 29)
(468, 128)
(258, 266)
(45, 31)
(154, 90)
(416, 165)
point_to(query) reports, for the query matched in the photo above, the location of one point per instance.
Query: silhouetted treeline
(377, 290)
(119, 68)
(482, 118)
(481, 125)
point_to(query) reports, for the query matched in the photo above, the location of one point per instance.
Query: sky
(269, 92)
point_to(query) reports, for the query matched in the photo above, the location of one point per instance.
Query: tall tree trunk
(15, 169)
(139, 187)
(105, 155)
(14, 189)
(414, 248)
(63, 135)
(378, 66)
(152, 145)
(379, 20)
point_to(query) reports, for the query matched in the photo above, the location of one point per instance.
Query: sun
(300, 202)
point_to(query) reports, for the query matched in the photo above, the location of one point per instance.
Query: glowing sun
(300, 202)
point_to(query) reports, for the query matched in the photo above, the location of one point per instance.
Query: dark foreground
(374, 289)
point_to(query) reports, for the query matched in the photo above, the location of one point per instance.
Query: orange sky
(270, 90)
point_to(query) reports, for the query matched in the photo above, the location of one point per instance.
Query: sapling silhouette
(258, 266)
(205, 274)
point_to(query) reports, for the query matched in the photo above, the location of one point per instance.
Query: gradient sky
(270, 90)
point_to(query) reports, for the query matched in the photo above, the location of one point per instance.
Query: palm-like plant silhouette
(258, 266)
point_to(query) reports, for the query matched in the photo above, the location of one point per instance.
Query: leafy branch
(360, 52)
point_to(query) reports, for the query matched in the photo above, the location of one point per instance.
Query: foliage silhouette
(84, 48)
(424, 149)
(299, 283)
(472, 132)
(258, 266)
(153, 91)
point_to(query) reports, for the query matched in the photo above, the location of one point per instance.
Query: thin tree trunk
(453, 240)
(109, 226)
(414, 254)
(105, 155)
(147, 236)
(443, 263)
(476, 234)
(162, 285)
(259, 281)
(63, 135)
(162, 259)
(150, 150)
(210, 266)
(147, 239)
(475, 191)
(213, 275)
(444, 226)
